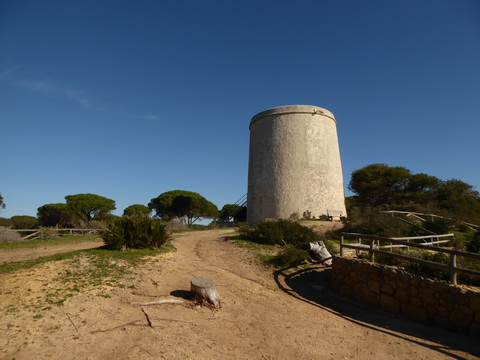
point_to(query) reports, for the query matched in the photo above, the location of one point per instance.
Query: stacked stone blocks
(394, 290)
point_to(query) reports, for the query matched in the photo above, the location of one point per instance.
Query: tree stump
(204, 292)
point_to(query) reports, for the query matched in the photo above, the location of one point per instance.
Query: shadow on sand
(183, 294)
(312, 286)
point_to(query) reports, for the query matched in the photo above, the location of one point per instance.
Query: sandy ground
(7, 256)
(264, 315)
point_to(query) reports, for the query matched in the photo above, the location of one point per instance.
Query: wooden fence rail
(34, 233)
(373, 247)
(423, 217)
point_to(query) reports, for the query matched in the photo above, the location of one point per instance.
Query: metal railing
(242, 203)
(373, 247)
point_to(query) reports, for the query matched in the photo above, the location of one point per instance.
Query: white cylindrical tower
(294, 164)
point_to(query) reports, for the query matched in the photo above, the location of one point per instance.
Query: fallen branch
(164, 301)
(134, 322)
(175, 320)
(148, 318)
(69, 318)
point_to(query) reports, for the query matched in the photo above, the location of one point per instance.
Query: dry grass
(8, 235)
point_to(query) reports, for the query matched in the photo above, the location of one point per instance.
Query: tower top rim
(293, 109)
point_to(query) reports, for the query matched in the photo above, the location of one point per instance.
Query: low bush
(431, 272)
(267, 232)
(438, 226)
(47, 233)
(290, 235)
(294, 233)
(471, 264)
(289, 256)
(332, 247)
(462, 227)
(389, 260)
(374, 222)
(457, 242)
(136, 232)
(281, 232)
(244, 230)
(199, 227)
(6, 222)
(474, 244)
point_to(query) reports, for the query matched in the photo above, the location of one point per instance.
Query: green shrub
(244, 230)
(281, 232)
(267, 232)
(462, 227)
(331, 246)
(289, 256)
(287, 233)
(389, 260)
(438, 226)
(295, 234)
(374, 222)
(6, 222)
(333, 234)
(457, 242)
(471, 264)
(431, 272)
(199, 227)
(474, 244)
(135, 232)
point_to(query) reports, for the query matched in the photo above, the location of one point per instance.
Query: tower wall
(294, 164)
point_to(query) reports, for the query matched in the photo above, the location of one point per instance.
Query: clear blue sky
(129, 99)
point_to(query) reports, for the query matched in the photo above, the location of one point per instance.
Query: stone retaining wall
(431, 302)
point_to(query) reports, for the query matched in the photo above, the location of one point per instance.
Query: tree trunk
(204, 292)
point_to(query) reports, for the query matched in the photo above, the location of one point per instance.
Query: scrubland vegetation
(377, 188)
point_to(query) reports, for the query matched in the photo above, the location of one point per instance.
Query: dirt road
(263, 315)
(7, 256)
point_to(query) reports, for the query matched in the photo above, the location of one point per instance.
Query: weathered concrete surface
(294, 164)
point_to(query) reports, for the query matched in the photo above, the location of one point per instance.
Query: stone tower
(294, 164)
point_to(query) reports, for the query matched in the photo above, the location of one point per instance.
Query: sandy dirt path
(29, 253)
(263, 315)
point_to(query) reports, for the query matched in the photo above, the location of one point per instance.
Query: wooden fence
(35, 233)
(373, 247)
(423, 217)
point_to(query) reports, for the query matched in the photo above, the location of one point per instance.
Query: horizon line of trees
(376, 186)
(83, 210)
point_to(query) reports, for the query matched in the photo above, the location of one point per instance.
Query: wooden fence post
(372, 254)
(341, 246)
(453, 272)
